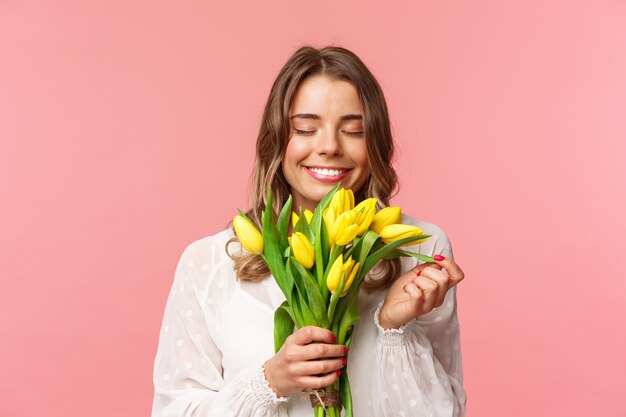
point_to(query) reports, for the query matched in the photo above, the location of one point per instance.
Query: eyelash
(307, 133)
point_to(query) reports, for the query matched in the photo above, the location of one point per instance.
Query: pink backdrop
(127, 131)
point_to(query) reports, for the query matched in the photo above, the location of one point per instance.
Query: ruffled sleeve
(187, 370)
(418, 367)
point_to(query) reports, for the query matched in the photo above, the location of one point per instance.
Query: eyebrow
(317, 117)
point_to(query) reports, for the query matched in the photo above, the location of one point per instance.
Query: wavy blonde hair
(341, 64)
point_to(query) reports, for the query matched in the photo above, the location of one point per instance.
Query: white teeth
(328, 172)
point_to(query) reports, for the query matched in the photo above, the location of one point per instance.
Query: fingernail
(438, 258)
(419, 272)
(345, 350)
(333, 338)
(344, 361)
(338, 373)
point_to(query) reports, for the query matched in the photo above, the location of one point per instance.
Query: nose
(328, 143)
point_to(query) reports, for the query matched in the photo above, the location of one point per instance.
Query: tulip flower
(342, 201)
(395, 232)
(308, 215)
(385, 217)
(365, 212)
(349, 278)
(347, 269)
(248, 235)
(302, 249)
(344, 229)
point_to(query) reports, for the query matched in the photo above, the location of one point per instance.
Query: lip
(325, 178)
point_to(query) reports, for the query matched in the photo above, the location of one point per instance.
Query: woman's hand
(418, 291)
(295, 367)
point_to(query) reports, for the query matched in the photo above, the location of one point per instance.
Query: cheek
(359, 155)
(294, 153)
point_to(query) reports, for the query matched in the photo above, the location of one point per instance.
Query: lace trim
(261, 390)
(390, 337)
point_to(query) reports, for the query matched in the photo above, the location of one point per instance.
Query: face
(326, 141)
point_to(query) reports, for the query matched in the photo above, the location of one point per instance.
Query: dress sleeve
(187, 370)
(419, 369)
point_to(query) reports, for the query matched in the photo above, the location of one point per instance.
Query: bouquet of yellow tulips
(320, 268)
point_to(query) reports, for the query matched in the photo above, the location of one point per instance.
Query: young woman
(325, 122)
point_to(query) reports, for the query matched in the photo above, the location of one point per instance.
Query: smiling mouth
(328, 172)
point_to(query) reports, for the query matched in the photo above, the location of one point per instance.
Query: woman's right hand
(295, 367)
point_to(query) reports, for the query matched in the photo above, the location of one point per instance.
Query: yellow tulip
(334, 275)
(308, 215)
(385, 217)
(343, 200)
(394, 232)
(365, 210)
(294, 218)
(339, 268)
(343, 230)
(302, 249)
(249, 236)
(329, 219)
(354, 269)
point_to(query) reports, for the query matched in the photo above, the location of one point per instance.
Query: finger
(443, 281)
(413, 291)
(455, 272)
(429, 288)
(410, 275)
(309, 334)
(319, 367)
(322, 350)
(319, 381)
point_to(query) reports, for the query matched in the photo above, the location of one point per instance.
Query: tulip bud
(347, 269)
(329, 219)
(343, 200)
(249, 236)
(302, 249)
(385, 217)
(308, 215)
(349, 278)
(365, 210)
(395, 232)
(344, 230)
(334, 275)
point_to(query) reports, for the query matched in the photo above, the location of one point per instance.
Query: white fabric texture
(217, 333)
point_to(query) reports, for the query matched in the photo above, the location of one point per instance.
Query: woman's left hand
(418, 291)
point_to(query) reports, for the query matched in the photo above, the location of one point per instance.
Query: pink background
(127, 131)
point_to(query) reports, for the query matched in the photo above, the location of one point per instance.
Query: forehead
(326, 96)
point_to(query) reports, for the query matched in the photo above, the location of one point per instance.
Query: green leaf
(272, 254)
(346, 394)
(418, 256)
(368, 241)
(315, 301)
(283, 325)
(334, 298)
(317, 224)
(348, 319)
(302, 226)
(388, 248)
(398, 253)
(244, 216)
(293, 273)
(283, 223)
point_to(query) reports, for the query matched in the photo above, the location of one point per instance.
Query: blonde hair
(338, 63)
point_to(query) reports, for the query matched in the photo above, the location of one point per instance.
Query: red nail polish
(333, 338)
(338, 373)
(344, 361)
(438, 258)
(419, 272)
(345, 350)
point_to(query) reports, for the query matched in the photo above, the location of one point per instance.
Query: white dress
(218, 331)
